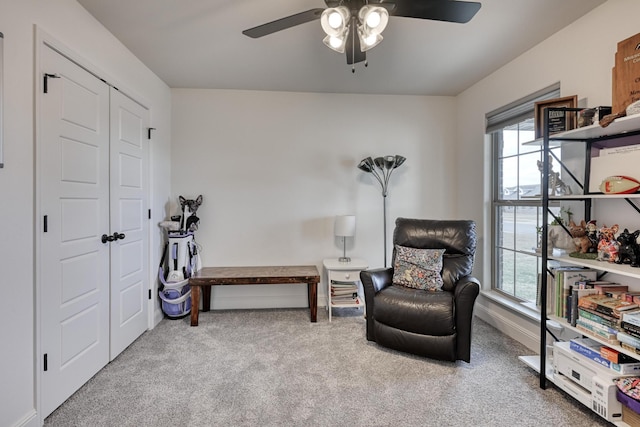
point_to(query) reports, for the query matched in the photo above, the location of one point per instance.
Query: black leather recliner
(431, 324)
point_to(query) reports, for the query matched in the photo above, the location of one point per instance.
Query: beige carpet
(275, 368)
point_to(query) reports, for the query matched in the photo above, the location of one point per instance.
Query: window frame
(516, 113)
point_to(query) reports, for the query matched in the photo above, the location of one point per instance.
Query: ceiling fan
(355, 26)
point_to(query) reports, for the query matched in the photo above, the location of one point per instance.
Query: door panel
(92, 180)
(129, 186)
(73, 187)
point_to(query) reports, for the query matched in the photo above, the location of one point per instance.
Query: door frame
(42, 40)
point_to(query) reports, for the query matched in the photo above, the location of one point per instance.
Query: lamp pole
(384, 225)
(381, 168)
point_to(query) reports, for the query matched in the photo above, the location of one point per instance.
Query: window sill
(525, 309)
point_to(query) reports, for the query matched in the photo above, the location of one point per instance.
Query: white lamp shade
(345, 226)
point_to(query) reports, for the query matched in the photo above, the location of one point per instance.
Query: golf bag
(180, 260)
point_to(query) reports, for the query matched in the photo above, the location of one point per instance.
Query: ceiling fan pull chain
(353, 44)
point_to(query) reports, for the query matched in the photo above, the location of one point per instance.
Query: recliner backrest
(457, 237)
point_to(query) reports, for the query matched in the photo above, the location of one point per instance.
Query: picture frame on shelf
(561, 121)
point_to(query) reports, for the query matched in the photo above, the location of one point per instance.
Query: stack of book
(588, 287)
(601, 314)
(629, 334)
(565, 280)
(620, 362)
(344, 293)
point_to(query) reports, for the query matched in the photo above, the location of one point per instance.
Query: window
(517, 211)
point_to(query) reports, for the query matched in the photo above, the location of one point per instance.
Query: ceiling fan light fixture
(368, 40)
(374, 19)
(337, 43)
(335, 20)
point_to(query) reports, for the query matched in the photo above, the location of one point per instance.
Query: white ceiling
(199, 44)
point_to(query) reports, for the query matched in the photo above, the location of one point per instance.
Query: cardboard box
(629, 408)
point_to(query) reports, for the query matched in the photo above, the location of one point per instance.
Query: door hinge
(47, 76)
(149, 213)
(45, 223)
(149, 132)
(45, 364)
(149, 293)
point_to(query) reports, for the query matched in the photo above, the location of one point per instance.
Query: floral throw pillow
(418, 268)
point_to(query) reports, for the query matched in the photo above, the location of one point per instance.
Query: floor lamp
(381, 168)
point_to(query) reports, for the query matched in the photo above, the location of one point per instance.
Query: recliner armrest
(373, 281)
(376, 279)
(465, 294)
(466, 287)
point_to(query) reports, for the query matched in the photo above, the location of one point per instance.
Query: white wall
(69, 23)
(580, 57)
(274, 168)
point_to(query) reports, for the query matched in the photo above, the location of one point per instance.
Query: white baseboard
(509, 326)
(29, 420)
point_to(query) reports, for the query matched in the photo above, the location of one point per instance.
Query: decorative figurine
(608, 245)
(556, 186)
(581, 238)
(629, 249)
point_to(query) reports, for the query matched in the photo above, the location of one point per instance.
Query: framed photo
(559, 121)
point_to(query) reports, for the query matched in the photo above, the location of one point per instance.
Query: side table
(344, 278)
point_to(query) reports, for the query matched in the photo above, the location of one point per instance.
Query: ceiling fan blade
(354, 54)
(283, 23)
(438, 10)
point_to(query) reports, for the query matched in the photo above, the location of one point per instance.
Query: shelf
(585, 197)
(531, 361)
(567, 325)
(610, 267)
(598, 137)
(618, 127)
(595, 196)
(361, 304)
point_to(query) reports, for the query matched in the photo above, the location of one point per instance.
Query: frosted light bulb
(373, 20)
(369, 40)
(335, 42)
(335, 20)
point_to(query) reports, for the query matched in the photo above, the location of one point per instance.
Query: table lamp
(345, 226)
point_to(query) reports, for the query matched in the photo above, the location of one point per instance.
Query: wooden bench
(206, 277)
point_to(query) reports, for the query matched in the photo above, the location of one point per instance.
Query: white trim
(509, 326)
(523, 309)
(43, 37)
(29, 420)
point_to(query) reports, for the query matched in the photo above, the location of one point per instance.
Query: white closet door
(129, 221)
(73, 187)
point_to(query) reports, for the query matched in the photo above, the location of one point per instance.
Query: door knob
(117, 236)
(106, 238)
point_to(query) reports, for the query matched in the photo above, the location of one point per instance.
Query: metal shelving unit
(589, 135)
